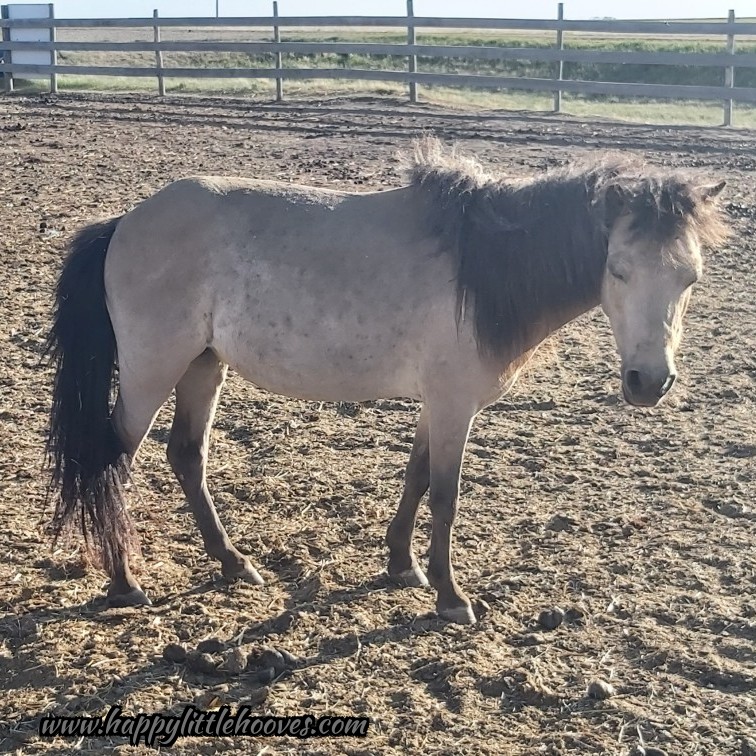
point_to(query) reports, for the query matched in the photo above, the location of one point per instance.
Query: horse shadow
(21, 670)
(447, 679)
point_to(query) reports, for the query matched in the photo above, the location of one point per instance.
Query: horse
(440, 290)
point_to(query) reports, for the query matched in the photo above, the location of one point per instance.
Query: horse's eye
(619, 275)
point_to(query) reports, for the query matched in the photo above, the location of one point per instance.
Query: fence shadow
(371, 118)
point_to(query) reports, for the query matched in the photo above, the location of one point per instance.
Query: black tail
(89, 463)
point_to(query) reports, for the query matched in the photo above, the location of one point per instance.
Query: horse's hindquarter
(304, 292)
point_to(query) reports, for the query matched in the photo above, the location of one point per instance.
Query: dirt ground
(639, 524)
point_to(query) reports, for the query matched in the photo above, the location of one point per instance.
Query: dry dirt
(639, 524)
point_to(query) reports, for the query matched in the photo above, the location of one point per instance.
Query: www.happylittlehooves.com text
(163, 730)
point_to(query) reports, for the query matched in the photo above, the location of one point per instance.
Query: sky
(575, 9)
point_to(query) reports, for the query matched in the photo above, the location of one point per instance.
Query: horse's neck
(552, 320)
(559, 299)
(532, 258)
(574, 309)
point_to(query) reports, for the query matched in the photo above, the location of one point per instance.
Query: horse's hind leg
(140, 396)
(403, 567)
(196, 398)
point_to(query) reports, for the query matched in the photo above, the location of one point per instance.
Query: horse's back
(307, 292)
(210, 215)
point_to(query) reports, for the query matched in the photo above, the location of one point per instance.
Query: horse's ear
(712, 191)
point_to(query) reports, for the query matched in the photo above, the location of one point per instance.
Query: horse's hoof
(414, 577)
(460, 615)
(245, 572)
(135, 597)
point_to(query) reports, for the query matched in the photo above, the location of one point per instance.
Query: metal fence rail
(727, 60)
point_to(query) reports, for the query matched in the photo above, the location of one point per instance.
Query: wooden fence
(727, 60)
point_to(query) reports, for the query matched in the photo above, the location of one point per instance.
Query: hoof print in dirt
(174, 653)
(203, 664)
(600, 690)
(550, 619)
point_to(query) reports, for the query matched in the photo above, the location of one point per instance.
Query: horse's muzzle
(645, 389)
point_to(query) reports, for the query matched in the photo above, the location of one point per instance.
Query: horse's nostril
(633, 380)
(667, 385)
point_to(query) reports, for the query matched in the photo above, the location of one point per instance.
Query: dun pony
(439, 290)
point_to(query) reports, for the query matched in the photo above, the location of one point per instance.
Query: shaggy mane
(530, 247)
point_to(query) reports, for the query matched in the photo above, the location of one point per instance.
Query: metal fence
(727, 59)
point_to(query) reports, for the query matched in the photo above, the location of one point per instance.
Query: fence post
(158, 55)
(279, 56)
(54, 54)
(412, 59)
(729, 71)
(560, 62)
(7, 76)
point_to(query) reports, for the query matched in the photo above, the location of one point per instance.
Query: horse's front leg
(403, 567)
(449, 428)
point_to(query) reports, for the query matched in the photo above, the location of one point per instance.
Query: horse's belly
(342, 327)
(339, 368)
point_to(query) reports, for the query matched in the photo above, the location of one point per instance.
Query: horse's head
(656, 231)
